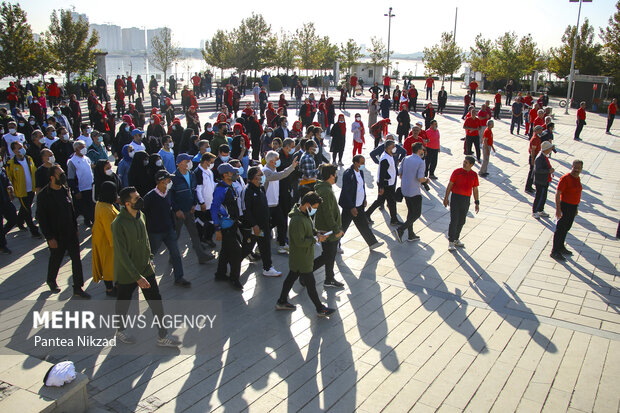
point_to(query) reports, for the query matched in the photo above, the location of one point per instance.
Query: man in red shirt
(472, 136)
(487, 145)
(413, 98)
(467, 102)
(353, 84)
(463, 182)
(473, 86)
(498, 105)
(387, 81)
(483, 117)
(196, 82)
(534, 149)
(430, 83)
(53, 92)
(11, 97)
(611, 114)
(581, 120)
(567, 197)
(531, 117)
(414, 136)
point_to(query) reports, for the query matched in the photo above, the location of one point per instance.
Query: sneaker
(578, 139)
(370, 221)
(54, 288)
(376, 245)
(459, 244)
(221, 278)
(564, 251)
(433, 177)
(536, 215)
(283, 249)
(5, 251)
(168, 341)
(206, 258)
(413, 238)
(124, 337)
(81, 293)
(333, 284)
(557, 256)
(182, 283)
(451, 247)
(236, 285)
(271, 272)
(286, 306)
(325, 312)
(543, 214)
(530, 190)
(398, 234)
(396, 223)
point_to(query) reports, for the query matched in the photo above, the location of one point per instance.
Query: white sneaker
(283, 249)
(458, 243)
(124, 337)
(271, 272)
(536, 215)
(543, 214)
(451, 247)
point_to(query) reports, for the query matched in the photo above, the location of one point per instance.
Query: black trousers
(25, 213)
(207, 229)
(541, 198)
(530, 175)
(413, 104)
(569, 211)
(472, 140)
(508, 98)
(308, 281)
(414, 210)
(329, 249)
(229, 255)
(152, 296)
(278, 220)
(57, 254)
(610, 121)
(388, 196)
(7, 211)
(85, 207)
(361, 223)
(441, 106)
(580, 125)
(459, 205)
(264, 246)
(496, 112)
(431, 161)
(337, 155)
(516, 120)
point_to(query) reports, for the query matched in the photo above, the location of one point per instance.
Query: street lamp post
(389, 15)
(572, 61)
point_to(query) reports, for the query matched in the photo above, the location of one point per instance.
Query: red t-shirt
(540, 122)
(433, 139)
(570, 189)
(581, 114)
(528, 100)
(471, 123)
(498, 98)
(430, 82)
(483, 117)
(533, 115)
(467, 100)
(196, 80)
(408, 143)
(386, 81)
(535, 145)
(473, 85)
(488, 135)
(612, 109)
(413, 93)
(463, 181)
(353, 80)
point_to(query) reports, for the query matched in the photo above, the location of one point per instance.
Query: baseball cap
(163, 174)
(226, 168)
(183, 157)
(136, 132)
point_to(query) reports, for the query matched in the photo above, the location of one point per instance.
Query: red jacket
(430, 82)
(581, 114)
(387, 81)
(467, 100)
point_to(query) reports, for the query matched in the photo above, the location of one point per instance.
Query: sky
(546, 20)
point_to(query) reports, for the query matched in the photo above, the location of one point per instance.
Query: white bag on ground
(60, 374)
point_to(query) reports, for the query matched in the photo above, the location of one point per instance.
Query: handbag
(398, 195)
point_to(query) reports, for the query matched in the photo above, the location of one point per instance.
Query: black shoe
(221, 278)
(433, 177)
(564, 251)
(111, 293)
(578, 139)
(5, 251)
(183, 283)
(325, 312)
(333, 284)
(484, 174)
(530, 190)
(557, 256)
(54, 288)
(370, 221)
(236, 285)
(399, 235)
(396, 223)
(285, 306)
(81, 293)
(413, 238)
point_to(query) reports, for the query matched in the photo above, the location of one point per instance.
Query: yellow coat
(103, 252)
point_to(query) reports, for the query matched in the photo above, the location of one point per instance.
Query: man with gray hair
(80, 180)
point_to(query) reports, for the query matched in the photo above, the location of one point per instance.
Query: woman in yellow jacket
(103, 252)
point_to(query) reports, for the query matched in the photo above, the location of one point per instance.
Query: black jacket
(56, 214)
(348, 192)
(442, 97)
(279, 133)
(541, 170)
(256, 207)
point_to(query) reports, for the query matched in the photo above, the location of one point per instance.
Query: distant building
(133, 39)
(76, 16)
(110, 37)
(150, 34)
(368, 73)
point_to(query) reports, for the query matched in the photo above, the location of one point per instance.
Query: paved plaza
(495, 326)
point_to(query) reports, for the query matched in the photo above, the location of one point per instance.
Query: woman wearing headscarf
(124, 165)
(255, 130)
(373, 108)
(103, 173)
(240, 142)
(185, 144)
(338, 140)
(141, 111)
(24, 127)
(296, 133)
(322, 116)
(283, 103)
(155, 164)
(404, 122)
(133, 114)
(193, 121)
(100, 119)
(265, 141)
(111, 117)
(306, 114)
(138, 176)
(102, 245)
(169, 111)
(270, 114)
(128, 119)
(122, 138)
(331, 114)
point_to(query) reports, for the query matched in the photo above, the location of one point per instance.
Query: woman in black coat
(338, 142)
(155, 164)
(102, 175)
(138, 176)
(186, 142)
(404, 122)
(123, 137)
(428, 115)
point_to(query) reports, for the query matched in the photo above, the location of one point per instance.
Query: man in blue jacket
(184, 199)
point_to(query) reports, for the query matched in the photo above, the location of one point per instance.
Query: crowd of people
(243, 178)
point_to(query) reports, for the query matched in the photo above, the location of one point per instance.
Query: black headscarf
(186, 141)
(108, 192)
(138, 176)
(100, 177)
(153, 168)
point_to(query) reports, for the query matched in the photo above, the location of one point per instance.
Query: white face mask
(209, 129)
(65, 137)
(168, 186)
(131, 154)
(210, 166)
(83, 151)
(159, 162)
(12, 131)
(32, 122)
(51, 159)
(88, 131)
(109, 172)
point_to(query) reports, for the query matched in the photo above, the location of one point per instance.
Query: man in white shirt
(85, 136)
(136, 143)
(80, 180)
(205, 185)
(50, 136)
(12, 136)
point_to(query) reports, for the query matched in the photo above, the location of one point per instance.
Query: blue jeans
(170, 240)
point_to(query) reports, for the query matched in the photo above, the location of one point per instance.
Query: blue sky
(192, 21)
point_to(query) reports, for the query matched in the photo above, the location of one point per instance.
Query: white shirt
(273, 191)
(87, 140)
(391, 168)
(48, 141)
(361, 192)
(204, 191)
(9, 139)
(79, 167)
(137, 146)
(24, 164)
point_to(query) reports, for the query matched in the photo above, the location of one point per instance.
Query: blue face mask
(278, 163)
(225, 158)
(262, 180)
(362, 167)
(311, 211)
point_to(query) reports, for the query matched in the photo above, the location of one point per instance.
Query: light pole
(389, 15)
(572, 61)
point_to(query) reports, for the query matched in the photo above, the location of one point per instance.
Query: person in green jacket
(301, 253)
(327, 219)
(133, 265)
(219, 139)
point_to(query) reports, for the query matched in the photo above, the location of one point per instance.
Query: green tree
(444, 58)
(16, 42)
(254, 44)
(328, 54)
(285, 54)
(350, 53)
(165, 51)
(611, 45)
(44, 62)
(378, 54)
(479, 54)
(529, 55)
(307, 47)
(503, 62)
(588, 57)
(218, 51)
(70, 45)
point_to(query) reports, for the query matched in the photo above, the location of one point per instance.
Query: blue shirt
(186, 176)
(411, 169)
(168, 160)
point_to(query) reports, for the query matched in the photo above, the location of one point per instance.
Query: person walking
(20, 170)
(357, 128)
(534, 148)
(386, 183)
(442, 99)
(133, 267)
(337, 144)
(428, 114)
(103, 244)
(487, 145)
(509, 89)
(328, 222)
(463, 182)
(58, 221)
(430, 83)
(498, 105)
(302, 238)
(80, 179)
(543, 174)
(567, 198)
(611, 114)
(581, 120)
(7, 209)
(517, 115)
(472, 137)
(432, 150)
(412, 173)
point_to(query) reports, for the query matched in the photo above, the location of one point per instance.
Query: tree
(378, 54)
(165, 51)
(285, 52)
(530, 57)
(444, 58)
(503, 62)
(588, 57)
(44, 62)
(307, 46)
(72, 49)
(218, 51)
(328, 54)
(255, 44)
(16, 42)
(350, 54)
(479, 54)
(611, 45)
